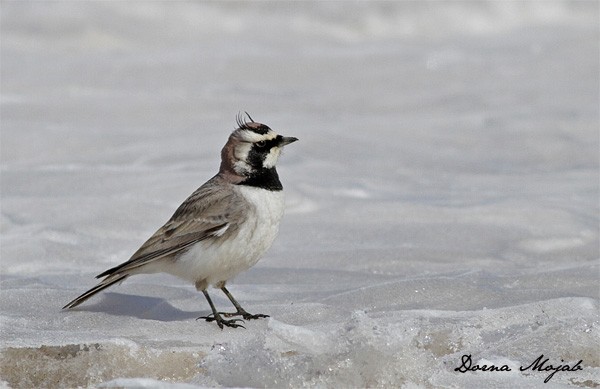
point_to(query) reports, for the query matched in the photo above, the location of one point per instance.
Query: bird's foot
(246, 315)
(222, 322)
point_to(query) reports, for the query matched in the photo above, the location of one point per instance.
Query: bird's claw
(211, 317)
(248, 316)
(245, 315)
(230, 323)
(222, 322)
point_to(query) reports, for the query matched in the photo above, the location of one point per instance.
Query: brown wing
(213, 211)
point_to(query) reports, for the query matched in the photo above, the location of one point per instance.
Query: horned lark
(223, 228)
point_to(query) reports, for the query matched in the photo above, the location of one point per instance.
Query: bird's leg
(217, 317)
(240, 311)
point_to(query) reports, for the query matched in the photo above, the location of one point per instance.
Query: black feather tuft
(241, 121)
(251, 125)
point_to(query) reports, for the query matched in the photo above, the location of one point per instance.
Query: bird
(222, 229)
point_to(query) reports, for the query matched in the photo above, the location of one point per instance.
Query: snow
(442, 200)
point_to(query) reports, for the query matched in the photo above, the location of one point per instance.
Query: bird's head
(251, 149)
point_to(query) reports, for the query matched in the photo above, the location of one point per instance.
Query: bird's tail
(105, 283)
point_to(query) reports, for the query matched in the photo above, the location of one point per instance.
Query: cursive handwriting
(467, 365)
(540, 364)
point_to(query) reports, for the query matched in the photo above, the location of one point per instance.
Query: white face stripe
(251, 136)
(241, 152)
(271, 158)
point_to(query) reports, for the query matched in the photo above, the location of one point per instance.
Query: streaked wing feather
(202, 216)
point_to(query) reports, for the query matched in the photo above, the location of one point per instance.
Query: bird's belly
(211, 262)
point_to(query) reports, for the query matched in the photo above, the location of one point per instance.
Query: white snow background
(442, 200)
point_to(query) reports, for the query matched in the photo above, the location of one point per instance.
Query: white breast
(219, 262)
(259, 231)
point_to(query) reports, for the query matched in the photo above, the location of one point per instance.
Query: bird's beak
(286, 140)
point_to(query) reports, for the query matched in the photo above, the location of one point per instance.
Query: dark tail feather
(100, 287)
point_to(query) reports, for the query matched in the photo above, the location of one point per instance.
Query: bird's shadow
(142, 307)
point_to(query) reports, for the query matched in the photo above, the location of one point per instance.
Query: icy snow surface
(442, 200)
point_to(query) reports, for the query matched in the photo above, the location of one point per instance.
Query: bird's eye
(261, 143)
